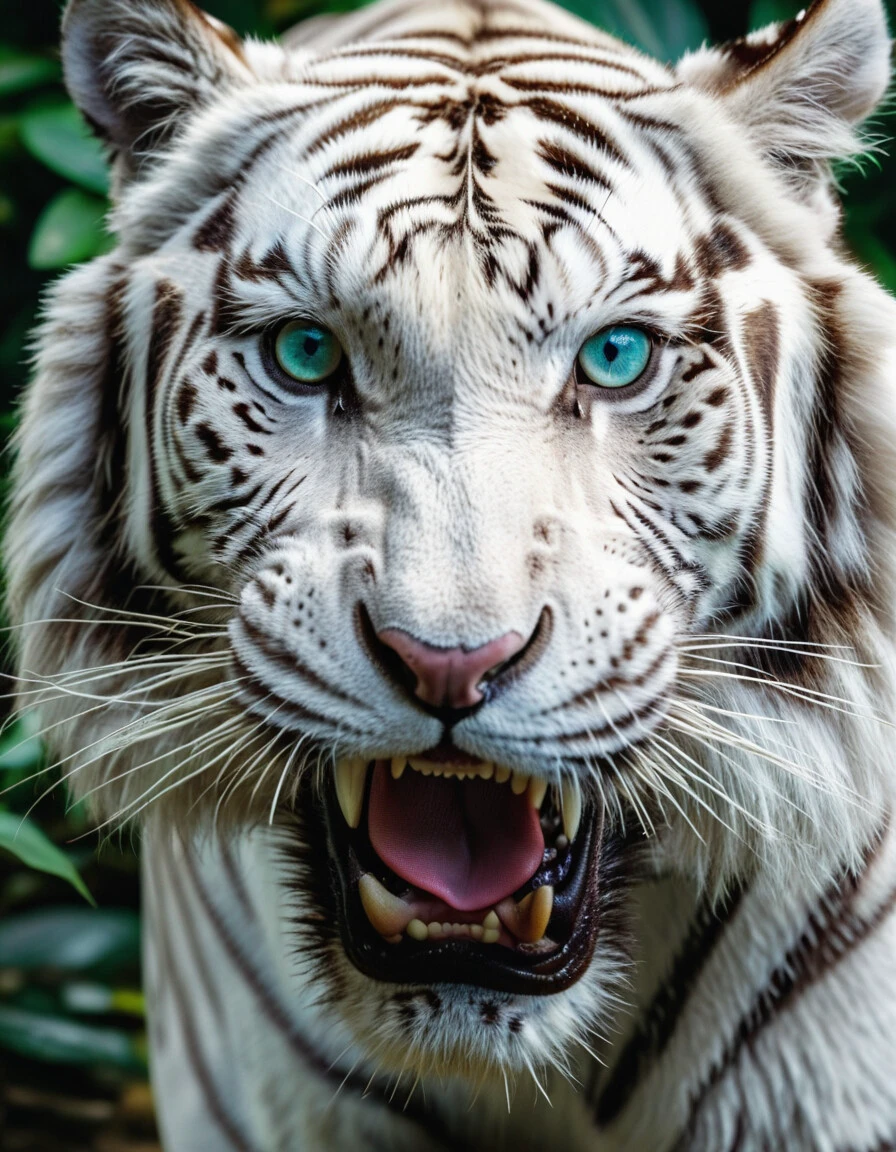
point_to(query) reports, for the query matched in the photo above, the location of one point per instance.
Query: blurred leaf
(54, 1038)
(27, 843)
(57, 136)
(9, 134)
(70, 229)
(764, 12)
(879, 258)
(20, 71)
(97, 999)
(100, 942)
(663, 28)
(20, 748)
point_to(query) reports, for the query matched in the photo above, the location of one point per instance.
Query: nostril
(450, 678)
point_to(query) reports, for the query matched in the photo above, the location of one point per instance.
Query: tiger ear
(138, 68)
(801, 88)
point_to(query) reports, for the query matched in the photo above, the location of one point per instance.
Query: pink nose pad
(450, 677)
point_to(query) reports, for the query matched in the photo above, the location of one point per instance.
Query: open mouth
(454, 870)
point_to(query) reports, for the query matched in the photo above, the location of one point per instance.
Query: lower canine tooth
(490, 936)
(388, 915)
(571, 806)
(351, 776)
(491, 921)
(534, 913)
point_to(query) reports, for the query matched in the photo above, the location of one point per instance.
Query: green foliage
(23, 839)
(69, 230)
(56, 135)
(663, 28)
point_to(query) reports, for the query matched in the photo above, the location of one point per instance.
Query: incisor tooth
(502, 774)
(351, 776)
(398, 766)
(388, 915)
(487, 771)
(417, 930)
(537, 791)
(519, 783)
(571, 805)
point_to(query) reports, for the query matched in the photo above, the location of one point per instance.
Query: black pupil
(311, 346)
(610, 351)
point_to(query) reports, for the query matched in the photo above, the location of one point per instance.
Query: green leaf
(40, 1036)
(663, 28)
(70, 229)
(20, 71)
(27, 843)
(99, 942)
(57, 136)
(20, 748)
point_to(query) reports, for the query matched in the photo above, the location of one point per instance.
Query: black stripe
(832, 932)
(215, 1106)
(660, 1019)
(298, 1043)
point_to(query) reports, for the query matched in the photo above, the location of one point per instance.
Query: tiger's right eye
(306, 352)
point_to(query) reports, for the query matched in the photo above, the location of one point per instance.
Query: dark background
(72, 1043)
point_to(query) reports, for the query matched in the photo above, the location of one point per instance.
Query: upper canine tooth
(388, 915)
(537, 791)
(502, 774)
(519, 783)
(571, 806)
(398, 766)
(351, 776)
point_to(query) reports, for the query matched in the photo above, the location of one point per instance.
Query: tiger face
(491, 391)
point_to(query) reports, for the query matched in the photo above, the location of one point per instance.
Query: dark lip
(573, 924)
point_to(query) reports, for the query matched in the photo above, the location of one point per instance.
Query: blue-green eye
(307, 353)
(616, 357)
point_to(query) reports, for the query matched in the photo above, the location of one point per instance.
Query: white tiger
(457, 523)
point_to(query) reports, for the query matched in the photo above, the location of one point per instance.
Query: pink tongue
(470, 842)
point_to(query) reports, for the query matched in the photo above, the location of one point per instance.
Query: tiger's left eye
(616, 357)
(307, 353)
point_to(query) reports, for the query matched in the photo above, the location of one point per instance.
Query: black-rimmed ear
(800, 89)
(138, 68)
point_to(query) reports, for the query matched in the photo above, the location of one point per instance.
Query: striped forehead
(494, 162)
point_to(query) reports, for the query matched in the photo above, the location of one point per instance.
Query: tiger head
(475, 457)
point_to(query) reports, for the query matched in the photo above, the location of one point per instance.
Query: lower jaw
(550, 967)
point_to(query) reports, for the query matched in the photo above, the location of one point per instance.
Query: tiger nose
(450, 677)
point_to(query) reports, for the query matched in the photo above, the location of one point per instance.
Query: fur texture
(464, 193)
